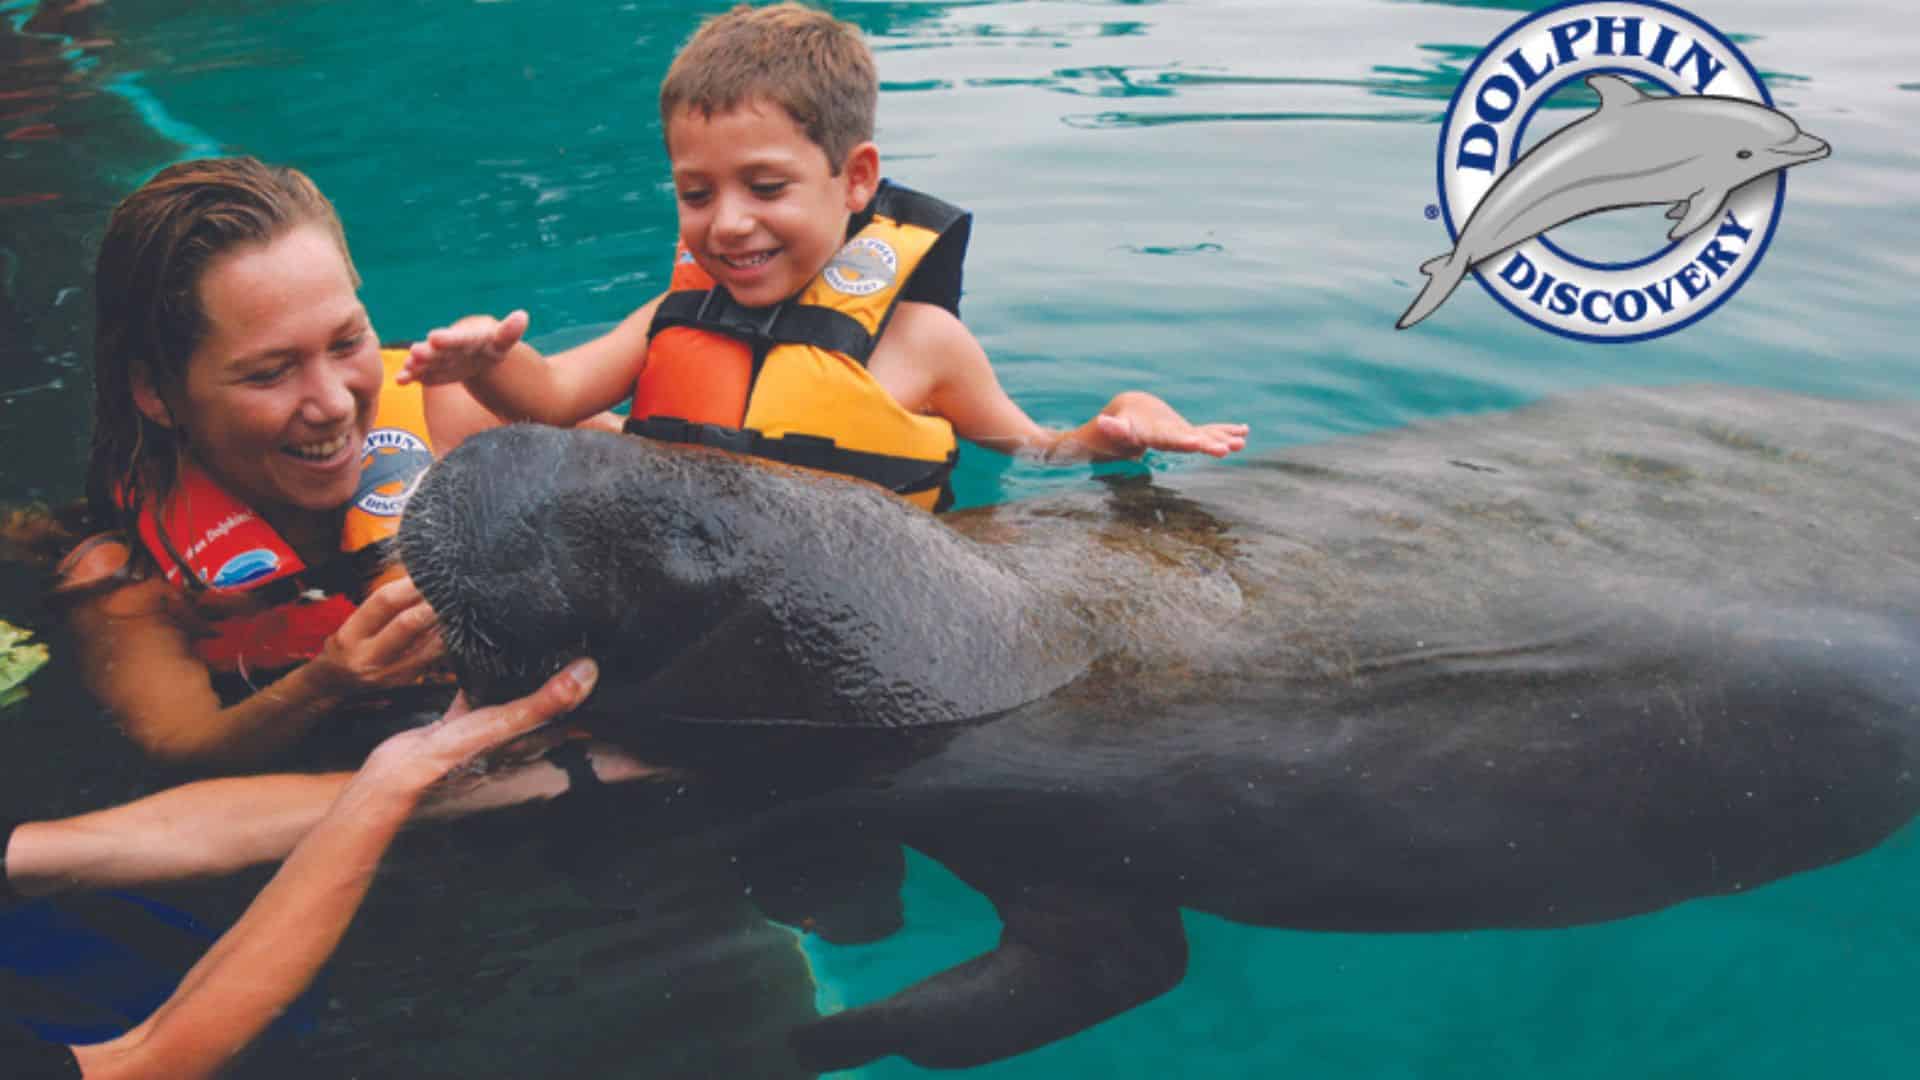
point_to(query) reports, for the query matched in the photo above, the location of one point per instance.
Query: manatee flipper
(1694, 212)
(826, 876)
(1444, 274)
(1068, 958)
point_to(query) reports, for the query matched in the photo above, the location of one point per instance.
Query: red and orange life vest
(265, 607)
(790, 382)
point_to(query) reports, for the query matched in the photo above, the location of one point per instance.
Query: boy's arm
(513, 381)
(960, 385)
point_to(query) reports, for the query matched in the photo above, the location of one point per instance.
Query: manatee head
(535, 545)
(712, 587)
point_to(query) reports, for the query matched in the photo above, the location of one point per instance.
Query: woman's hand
(215, 827)
(270, 956)
(416, 760)
(389, 642)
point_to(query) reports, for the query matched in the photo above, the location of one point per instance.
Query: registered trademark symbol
(1433, 212)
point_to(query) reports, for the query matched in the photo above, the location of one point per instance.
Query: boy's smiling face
(760, 207)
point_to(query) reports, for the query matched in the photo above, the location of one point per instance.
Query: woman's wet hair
(149, 319)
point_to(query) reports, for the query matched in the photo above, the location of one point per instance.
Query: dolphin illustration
(1634, 150)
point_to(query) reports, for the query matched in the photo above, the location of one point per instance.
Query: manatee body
(1577, 662)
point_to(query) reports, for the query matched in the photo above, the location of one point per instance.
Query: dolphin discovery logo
(392, 461)
(864, 267)
(1704, 141)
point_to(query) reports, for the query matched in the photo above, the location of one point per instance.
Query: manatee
(1581, 661)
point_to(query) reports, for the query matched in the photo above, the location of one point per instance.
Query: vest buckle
(720, 311)
(731, 439)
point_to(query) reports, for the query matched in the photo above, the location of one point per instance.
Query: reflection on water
(1222, 201)
(1162, 119)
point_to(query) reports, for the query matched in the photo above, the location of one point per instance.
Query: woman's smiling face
(279, 396)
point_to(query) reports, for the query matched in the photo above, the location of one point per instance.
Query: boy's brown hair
(809, 63)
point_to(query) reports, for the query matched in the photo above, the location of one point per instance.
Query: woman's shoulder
(94, 559)
(103, 571)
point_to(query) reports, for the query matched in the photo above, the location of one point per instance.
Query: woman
(272, 953)
(251, 453)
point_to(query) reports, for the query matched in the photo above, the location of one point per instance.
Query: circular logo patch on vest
(391, 465)
(864, 267)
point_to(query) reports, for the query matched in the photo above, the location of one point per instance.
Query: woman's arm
(215, 827)
(268, 958)
(203, 829)
(137, 658)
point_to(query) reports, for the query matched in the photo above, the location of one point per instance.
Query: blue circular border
(1446, 212)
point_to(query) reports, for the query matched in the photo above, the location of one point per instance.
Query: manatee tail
(1444, 274)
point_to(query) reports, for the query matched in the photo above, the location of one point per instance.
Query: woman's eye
(350, 343)
(266, 376)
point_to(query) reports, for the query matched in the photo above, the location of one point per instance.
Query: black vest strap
(901, 475)
(937, 281)
(782, 324)
(910, 207)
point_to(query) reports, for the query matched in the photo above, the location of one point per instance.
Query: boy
(812, 316)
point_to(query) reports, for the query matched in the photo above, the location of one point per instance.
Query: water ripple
(1107, 120)
(1205, 247)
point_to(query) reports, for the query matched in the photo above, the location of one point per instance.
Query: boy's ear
(863, 176)
(149, 402)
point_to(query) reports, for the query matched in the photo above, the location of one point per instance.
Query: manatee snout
(533, 546)
(471, 542)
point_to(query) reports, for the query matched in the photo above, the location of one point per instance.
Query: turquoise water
(1220, 202)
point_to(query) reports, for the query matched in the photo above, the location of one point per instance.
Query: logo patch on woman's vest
(391, 466)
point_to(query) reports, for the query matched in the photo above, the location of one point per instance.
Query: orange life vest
(790, 382)
(264, 607)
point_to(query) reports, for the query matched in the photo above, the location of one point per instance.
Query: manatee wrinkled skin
(1573, 663)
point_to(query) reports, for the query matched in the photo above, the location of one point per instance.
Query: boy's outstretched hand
(459, 352)
(1136, 421)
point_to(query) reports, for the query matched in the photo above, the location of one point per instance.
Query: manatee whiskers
(448, 549)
